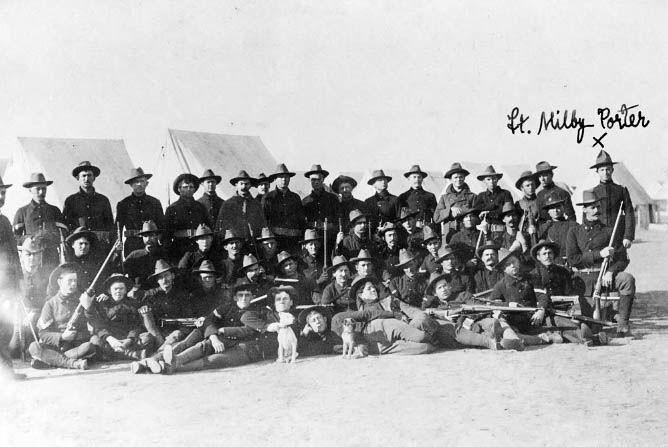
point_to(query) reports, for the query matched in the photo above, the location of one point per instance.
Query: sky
(352, 85)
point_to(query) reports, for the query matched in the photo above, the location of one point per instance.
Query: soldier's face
(545, 256)
(282, 181)
(490, 257)
(556, 212)
(380, 184)
(207, 280)
(269, 247)
(233, 248)
(510, 220)
(253, 272)
(86, 179)
(364, 268)
(210, 185)
(204, 243)
(67, 283)
(243, 186)
(317, 322)
(151, 239)
(605, 173)
(289, 267)
(346, 190)
(341, 274)
(311, 248)
(3, 193)
(316, 181)
(410, 269)
(263, 188)
(30, 260)
(81, 247)
(528, 187)
(282, 301)
(458, 180)
(368, 293)
(243, 298)
(360, 226)
(512, 266)
(118, 291)
(545, 178)
(593, 211)
(470, 220)
(442, 290)
(186, 189)
(391, 238)
(432, 246)
(409, 224)
(38, 193)
(448, 263)
(415, 180)
(490, 182)
(166, 281)
(138, 185)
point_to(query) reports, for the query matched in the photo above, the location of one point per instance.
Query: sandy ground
(555, 395)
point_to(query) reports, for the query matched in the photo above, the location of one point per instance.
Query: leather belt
(184, 233)
(280, 231)
(587, 270)
(131, 233)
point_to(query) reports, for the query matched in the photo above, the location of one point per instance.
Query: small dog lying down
(287, 341)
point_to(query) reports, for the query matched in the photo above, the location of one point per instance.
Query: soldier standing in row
(88, 208)
(457, 197)
(344, 185)
(416, 198)
(137, 208)
(262, 183)
(544, 173)
(283, 211)
(41, 219)
(209, 198)
(382, 206)
(321, 205)
(490, 201)
(185, 215)
(241, 213)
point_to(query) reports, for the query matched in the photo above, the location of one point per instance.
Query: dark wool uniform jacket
(284, 213)
(458, 199)
(463, 243)
(173, 304)
(92, 211)
(382, 208)
(520, 291)
(557, 232)
(212, 203)
(486, 279)
(10, 266)
(584, 243)
(461, 289)
(35, 217)
(417, 199)
(612, 195)
(237, 213)
(118, 319)
(492, 201)
(555, 191)
(552, 279)
(409, 290)
(321, 205)
(133, 211)
(337, 295)
(240, 324)
(53, 320)
(186, 214)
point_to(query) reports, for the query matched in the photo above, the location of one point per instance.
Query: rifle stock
(604, 267)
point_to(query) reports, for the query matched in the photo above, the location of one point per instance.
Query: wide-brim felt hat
(387, 226)
(284, 257)
(37, 178)
(378, 174)
(405, 257)
(363, 255)
(85, 166)
(552, 202)
(316, 169)
(553, 245)
(343, 179)
(281, 171)
(310, 235)
(603, 159)
(360, 282)
(526, 175)
(428, 234)
(415, 169)
(465, 211)
(3, 185)
(265, 235)
(231, 236)
(283, 288)
(117, 277)
(202, 230)
(136, 173)
(444, 252)
(433, 279)
(243, 175)
(588, 197)
(322, 310)
(489, 245)
(31, 244)
(489, 172)
(544, 166)
(149, 227)
(243, 285)
(454, 169)
(206, 266)
(504, 256)
(209, 175)
(260, 179)
(509, 208)
(405, 214)
(79, 233)
(337, 262)
(161, 266)
(248, 261)
(355, 215)
(181, 177)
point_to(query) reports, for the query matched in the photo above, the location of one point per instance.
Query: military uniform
(464, 243)
(238, 213)
(284, 213)
(485, 279)
(492, 201)
(140, 263)
(132, 212)
(39, 219)
(557, 232)
(382, 207)
(182, 219)
(10, 266)
(336, 295)
(212, 203)
(462, 199)
(557, 193)
(409, 290)
(90, 210)
(417, 199)
(611, 196)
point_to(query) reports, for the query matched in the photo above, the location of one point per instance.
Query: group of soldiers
(207, 282)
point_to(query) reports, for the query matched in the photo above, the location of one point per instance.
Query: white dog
(287, 341)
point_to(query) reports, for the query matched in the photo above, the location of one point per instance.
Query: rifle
(324, 243)
(119, 238)
(187, 322)
(470, 308)
(532, 223)
(71, 324)
(336, 246)
(604, 266)
(250, 231)
(63, 246)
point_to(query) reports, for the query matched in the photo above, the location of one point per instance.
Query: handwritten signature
(626, 117)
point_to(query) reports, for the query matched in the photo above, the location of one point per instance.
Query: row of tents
(188, 151)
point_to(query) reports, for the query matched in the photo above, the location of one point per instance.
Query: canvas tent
(4, 162)
(187, 151)
(56, 157)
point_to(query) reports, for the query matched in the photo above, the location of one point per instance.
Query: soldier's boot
(138, 367)
(55, 358)
(84, 350)
(625, 305)
(175, 362)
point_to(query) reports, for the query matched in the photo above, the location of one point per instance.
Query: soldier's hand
(531, 229)
(68, 335)
(217, 345)
(455, 211)
(483, 226)
(273, 327)
(324, 277)
(114, 343)
(133, 291)
(199, 322)
(307, 329)
(606, 281)
(627, 243)
(537, 317)
(101, 298)
(125, 344)
(339, 237)
(86, 300)
(607, 252)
